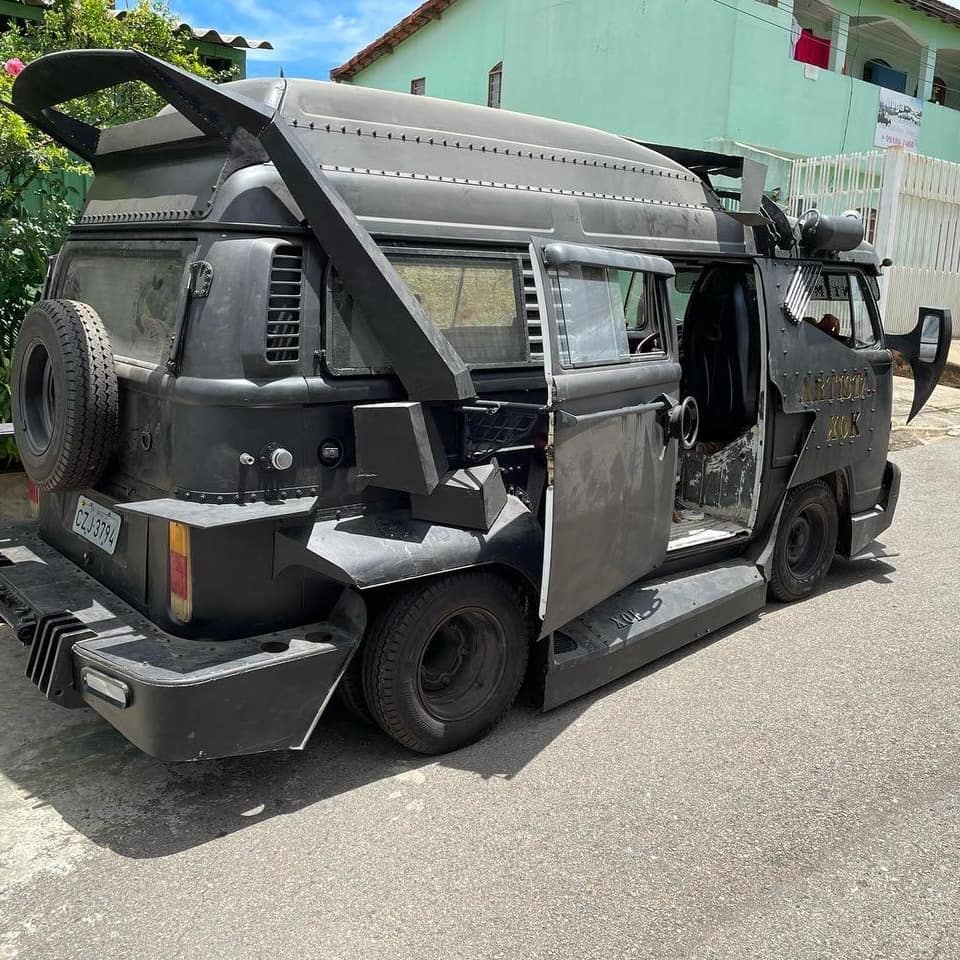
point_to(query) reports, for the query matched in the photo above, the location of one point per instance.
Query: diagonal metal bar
(424, 360)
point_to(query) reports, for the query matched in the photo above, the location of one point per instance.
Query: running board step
(646, 621)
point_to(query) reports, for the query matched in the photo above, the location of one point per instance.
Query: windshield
(136, 287)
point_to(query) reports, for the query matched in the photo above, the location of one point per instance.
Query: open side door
(613, 378)
(926, 349)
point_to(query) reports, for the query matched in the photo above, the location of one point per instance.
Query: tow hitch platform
(176, 699)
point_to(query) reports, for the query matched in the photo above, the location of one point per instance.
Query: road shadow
(846, 573)
(872, 566)
(139, 807)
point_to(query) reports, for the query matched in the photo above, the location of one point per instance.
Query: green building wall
(454, 53)
(693, 73)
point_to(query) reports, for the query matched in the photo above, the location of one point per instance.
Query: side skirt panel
(646, 621)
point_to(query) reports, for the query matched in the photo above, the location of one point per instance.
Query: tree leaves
(35, 200)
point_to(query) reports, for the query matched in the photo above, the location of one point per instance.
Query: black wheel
(444, 662)
(65, 405)
(806, 542)
(350, 690)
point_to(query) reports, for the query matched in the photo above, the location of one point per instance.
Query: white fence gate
(911, 210)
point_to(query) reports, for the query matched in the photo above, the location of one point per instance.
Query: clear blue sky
(310, 36)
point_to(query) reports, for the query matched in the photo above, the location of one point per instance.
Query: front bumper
(184, 699)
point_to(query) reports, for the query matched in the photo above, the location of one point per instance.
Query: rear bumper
(175, 699)
(867, 526)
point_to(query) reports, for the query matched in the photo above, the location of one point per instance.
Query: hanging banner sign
(898, 120)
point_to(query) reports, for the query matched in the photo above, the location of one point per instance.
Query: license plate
(97, 524)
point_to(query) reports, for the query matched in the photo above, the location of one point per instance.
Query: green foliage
(35, 212)
(8, 450)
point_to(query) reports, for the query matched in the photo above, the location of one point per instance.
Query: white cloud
(326, 32)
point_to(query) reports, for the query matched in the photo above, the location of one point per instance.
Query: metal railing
(911, 209)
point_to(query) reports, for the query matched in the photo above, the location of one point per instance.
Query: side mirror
(926, 349)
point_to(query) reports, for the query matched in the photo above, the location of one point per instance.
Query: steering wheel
(648, 343)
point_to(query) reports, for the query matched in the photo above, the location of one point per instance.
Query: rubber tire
(784, 585)
(395, 644)
(350, 690)
(85, 406)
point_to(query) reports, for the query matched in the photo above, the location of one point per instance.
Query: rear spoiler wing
(427, 365)
(751, 173)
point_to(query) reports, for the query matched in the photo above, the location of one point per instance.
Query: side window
(862, 330)
(839, 308)
(476, 302)
(598, 309)
(683, 285)
(641, 301)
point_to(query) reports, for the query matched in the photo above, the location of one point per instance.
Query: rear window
(137, 288)
(475, 301)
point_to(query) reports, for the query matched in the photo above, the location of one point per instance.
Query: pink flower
(14, 67)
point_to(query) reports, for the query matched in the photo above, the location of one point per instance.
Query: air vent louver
(534, 327)
(285, 301)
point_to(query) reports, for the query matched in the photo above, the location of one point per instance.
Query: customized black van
(333, 389)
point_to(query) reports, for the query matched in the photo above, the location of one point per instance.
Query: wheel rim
(806, 541)
(462, 664)
(38, 398)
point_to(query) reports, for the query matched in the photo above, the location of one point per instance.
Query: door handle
(660, 405)
(680, 421)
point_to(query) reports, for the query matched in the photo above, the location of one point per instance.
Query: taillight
(33, 493)
(181, 579)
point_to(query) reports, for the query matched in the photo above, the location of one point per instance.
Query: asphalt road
(788, 789)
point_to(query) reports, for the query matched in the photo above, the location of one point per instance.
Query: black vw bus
(333, 389)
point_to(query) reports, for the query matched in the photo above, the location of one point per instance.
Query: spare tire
(65, 405)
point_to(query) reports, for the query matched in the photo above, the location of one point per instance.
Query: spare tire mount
(65, 395)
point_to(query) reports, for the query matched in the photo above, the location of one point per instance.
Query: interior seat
(721, 353)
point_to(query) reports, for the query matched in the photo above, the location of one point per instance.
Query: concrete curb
(950, 378)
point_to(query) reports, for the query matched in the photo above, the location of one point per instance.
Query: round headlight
(281, 458)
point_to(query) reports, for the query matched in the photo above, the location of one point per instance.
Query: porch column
(928, 66)
(888, 212)
(839, 33)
